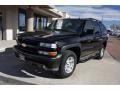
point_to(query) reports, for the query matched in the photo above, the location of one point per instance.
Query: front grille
(32, 46)
(27, 41)
(28, 49)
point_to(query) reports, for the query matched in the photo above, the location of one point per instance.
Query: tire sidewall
(67, 54)
(100, 57)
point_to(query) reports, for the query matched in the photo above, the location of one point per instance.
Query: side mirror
(45, 27)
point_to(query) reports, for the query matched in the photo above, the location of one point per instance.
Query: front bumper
(48, 62)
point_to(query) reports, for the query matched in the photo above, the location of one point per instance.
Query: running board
(85, 58)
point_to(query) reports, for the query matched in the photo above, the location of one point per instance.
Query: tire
(100, 53)
(69, 59)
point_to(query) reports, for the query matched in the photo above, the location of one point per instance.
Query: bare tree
(115, 27)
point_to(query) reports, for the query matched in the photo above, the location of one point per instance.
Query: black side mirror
(45, 27)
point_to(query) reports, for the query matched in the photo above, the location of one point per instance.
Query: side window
(103, 29)
(96, 28)
(88, 28)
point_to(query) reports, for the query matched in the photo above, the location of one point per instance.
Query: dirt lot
(113, 47)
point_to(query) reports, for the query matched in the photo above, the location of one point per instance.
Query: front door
(1, 30)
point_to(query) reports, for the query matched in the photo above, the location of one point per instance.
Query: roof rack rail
(92, 19)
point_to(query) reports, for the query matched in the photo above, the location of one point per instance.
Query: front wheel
(68, 64)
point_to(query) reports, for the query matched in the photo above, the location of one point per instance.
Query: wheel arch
(76, 48)
(105, 44)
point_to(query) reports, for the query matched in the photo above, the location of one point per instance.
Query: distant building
(24, 18)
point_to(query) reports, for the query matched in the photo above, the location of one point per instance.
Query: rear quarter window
(103, 29)
(97, 28)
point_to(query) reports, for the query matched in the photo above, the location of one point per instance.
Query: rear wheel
(68, 64)
(100, 53)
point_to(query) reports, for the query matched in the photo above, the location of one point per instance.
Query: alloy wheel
(69, 65)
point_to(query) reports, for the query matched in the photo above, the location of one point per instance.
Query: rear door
(97, 36)
(87, 39)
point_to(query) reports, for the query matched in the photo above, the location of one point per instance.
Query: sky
(110, 14)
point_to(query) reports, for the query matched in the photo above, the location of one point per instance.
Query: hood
(46, 35)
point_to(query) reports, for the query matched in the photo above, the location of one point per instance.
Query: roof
(85, 19)
(91, 19)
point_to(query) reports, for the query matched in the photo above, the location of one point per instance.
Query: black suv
(63, 44)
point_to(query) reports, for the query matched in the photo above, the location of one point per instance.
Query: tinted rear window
(103, 29)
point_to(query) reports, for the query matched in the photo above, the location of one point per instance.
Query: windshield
(69, 25)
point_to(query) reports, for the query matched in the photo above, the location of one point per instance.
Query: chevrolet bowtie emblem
(24, 45)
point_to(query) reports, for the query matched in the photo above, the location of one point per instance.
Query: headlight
(43, 52)
(48, 45)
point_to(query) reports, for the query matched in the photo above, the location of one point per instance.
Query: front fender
(70, 46)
